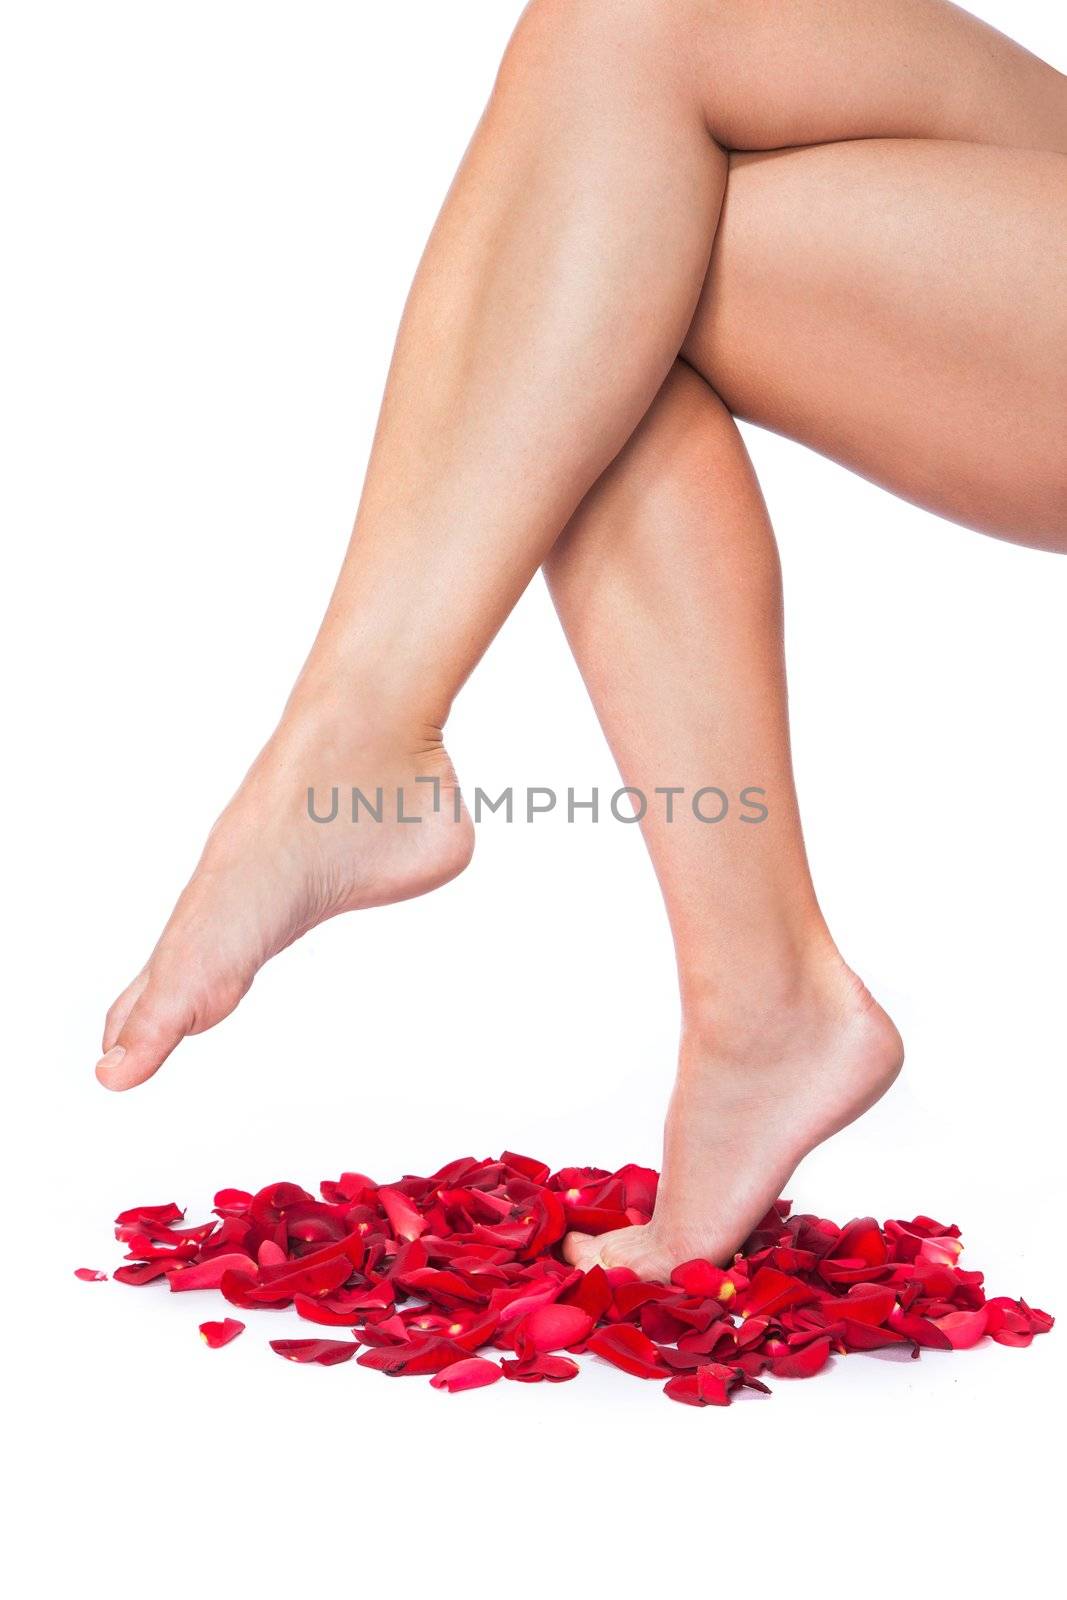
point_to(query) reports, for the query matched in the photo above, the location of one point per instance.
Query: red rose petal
(414, 1359)
(556, 1327)
(709, 1385)
(1008, 1323)
(684, 1389)
(639, 1187)
(321, 1352)
(269, 1206)
(628, 1348)
(209, 1274)
(428, 1271)
(593, 1293)
(535, 1171)
(704, 1279)
(772, 1291)
(862, 1336)
(140, 1215)
(90, 1275)
(595, 1219)
(404, 1219)
(803, 1363)
(963, 1329)
(926, 1334)
(871, 1303)
(1040, 1321)
(549, 1223)
(630, 1296)
(538, 1369)
(216, 1334)
(442, 1287)
(142, 1272)
(863, 1239)
(321, 1311)
(474, 1373)
(388, 1332)
(940, 1252)
(318, 1279)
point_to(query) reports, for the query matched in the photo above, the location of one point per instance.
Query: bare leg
(554, 295)
(925, 343)
(667, 583)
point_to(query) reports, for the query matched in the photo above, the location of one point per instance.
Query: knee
(1043, 523)
(582, 31)
(1055, 530)
(1058, 495)
(608, 19)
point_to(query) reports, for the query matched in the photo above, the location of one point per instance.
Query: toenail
(114, 1056)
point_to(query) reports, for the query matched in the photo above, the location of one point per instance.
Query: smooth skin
(893, 297)
(668, 585)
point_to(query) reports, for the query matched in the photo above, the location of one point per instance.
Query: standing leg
(668, 586)
(930, 352)
(554, 295)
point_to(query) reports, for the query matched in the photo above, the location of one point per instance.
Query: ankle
(758, 1013)
(375, 698)
(332, 719)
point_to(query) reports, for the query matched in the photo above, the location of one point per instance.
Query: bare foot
(749, 1103)
(269, 873)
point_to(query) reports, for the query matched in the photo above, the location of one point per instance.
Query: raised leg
(902, 306)
(554, 295)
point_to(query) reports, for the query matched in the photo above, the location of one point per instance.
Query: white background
(213, 212)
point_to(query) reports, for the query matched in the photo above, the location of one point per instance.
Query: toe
(146, 1038)
(582, 1250)
(116, 1017)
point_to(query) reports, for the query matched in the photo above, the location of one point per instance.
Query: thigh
(777, 73)
(901, 306)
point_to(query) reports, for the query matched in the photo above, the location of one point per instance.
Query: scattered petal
(216, 1334)
(414, 1359)
(628, 1348)
(963, 1329)
(208, 1274)
(474, 1373)
(539, 1368)
(556, 1327)
(149, 1214)
(459, 1277)
(802, 1363)
(709, 1385)
(322, 1352)
(403, 1217)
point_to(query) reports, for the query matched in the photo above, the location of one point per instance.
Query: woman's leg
(667, 583)
(553, 297)
(925, 343)
(928, 351)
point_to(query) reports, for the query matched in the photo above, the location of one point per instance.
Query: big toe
(626, 1247)
(115, 1020)
(145, 1038)
(585, 1250)
(581, 1250)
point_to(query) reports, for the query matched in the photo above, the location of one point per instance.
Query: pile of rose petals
(459, 1278)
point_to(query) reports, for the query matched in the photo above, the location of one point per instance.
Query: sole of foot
(269, 873)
